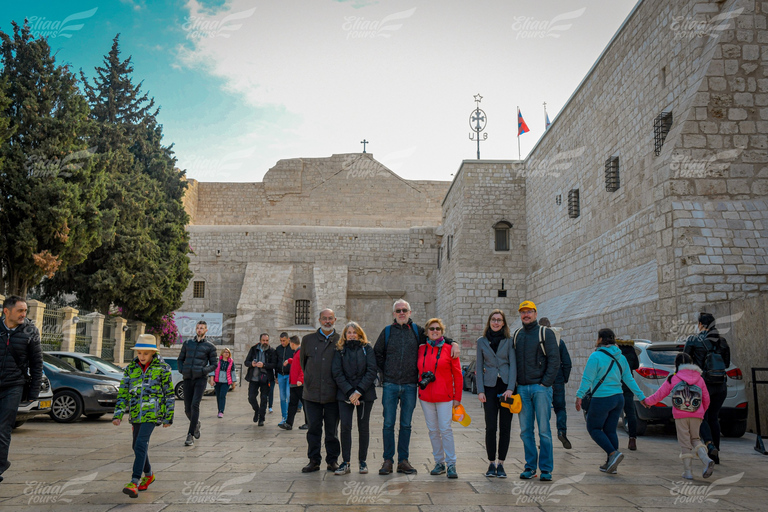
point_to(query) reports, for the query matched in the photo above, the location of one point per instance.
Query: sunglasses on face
(401, 311)
(435, 329)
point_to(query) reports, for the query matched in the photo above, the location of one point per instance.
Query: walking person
(496, 379)
(690, 400)
(440, 388)
(354, 370)
(558, 388)
(606, 369)
(146, 394)
(283, 369)
(627, 348)
(223, 377)
(260, 361)
(296, 381)
(197, 359)
(710, 352)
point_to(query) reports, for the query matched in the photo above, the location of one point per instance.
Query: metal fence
(108, 340)
(129, 343)
(51, 334)
(83, 335)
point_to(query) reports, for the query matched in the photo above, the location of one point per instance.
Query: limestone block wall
(331, 292)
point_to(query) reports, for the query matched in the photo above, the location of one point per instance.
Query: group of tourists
(333, 375)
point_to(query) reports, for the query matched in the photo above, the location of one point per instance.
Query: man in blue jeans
(396, 349)
(283, 370)
(538, 362)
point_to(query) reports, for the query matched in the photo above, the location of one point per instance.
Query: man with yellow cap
(538, 361)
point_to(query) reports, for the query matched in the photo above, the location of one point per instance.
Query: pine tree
(142, 265)
(50, 182)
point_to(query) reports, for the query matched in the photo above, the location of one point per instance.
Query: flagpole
(518, 133)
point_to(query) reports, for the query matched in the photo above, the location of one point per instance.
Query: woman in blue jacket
(609, 365)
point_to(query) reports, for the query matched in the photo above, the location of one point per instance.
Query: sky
(243, 83)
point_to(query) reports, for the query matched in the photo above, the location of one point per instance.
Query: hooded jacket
(691, 374)
(597, 366)
(147, 396)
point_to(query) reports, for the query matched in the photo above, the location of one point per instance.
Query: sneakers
(452, 471)
(221, 415)
(386, 467)
(405, 467)
(197, 431)
(613, 461)
(632, 444)
(190, 440)
(343, 469)
(546, 476)
(131, 490)
(564, 439)
(363, 468)
(270, 410)
(438, 470)
(491, 470)
(604, 468)
(528, 474)
(145, 481)
(304, 427)
(500, 473)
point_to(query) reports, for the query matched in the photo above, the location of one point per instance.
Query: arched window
(501, 231)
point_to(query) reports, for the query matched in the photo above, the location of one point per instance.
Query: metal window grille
(661, 126)
(502, 239)
(302, 312)
(573, 203)
(448, 248)
(439, 256)
(612, 182)
(558, 199)
(198, 290)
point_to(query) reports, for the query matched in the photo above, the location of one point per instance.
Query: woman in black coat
(354, 369)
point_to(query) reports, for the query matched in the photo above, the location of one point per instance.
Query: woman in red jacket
(296, 382)
(440, 386)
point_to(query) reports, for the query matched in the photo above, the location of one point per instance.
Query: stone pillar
(97, 331)
(68, 329)
(138, 329)
(2, 298)
(35, 310)
(119, 339)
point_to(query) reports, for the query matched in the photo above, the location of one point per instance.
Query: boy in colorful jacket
(146, 393)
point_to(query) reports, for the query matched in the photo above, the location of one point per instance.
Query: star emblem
(478, 98)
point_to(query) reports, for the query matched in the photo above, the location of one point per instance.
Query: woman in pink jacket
(690, 400)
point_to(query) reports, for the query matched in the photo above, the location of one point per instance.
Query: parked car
(89, 363)
(470, 377)
(178, 380)
(657, 362)
(76, 393)
(37, 407)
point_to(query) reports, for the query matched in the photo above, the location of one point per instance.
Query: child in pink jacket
(690, 400)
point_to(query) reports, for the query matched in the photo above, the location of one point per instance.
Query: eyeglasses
(401, 310)
(527, 311)
(435, 328)
(497, 320)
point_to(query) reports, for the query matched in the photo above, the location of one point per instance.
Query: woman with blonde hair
(354, 370)
(223, 377)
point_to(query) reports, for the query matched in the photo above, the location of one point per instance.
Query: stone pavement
(237, 466)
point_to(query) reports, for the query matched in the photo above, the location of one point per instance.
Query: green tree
(142, 265)
(50, 185)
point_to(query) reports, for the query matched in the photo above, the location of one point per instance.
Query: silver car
(178, 380)
(657, 362)
(89, 363)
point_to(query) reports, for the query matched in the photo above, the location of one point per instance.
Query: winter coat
(628, 351)
(597, 366)
(565, 364)
(284, 353)
(448, 383)
(492, 365)
(533, 367)
(229, 368)
(396, 356)
(354, 369)
(694, 347)
(269, 359)
(25, 343)
(691, 374)
(316, 362)
(148, 395)
(197, 358)
(296, 375)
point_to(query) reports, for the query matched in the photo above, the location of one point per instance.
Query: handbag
(586, 400)
(263, 377)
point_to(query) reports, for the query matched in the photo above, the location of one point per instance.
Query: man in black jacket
(558, 388)
(627, 348)
(21, 365)
(283, 369)
(316, 357)
(538, 361)
(196, 360)
(261, 363)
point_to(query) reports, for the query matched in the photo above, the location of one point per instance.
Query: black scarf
(494, 338)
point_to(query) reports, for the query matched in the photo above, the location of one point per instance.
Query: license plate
(45, 404)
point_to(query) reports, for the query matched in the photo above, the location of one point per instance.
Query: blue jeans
(391, 395)
(9, 405)
(537, 403)
(558, 404)
(284, 386)
(221, 389)
(602, 420)
(141, 433)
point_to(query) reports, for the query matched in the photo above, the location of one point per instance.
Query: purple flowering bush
(166, 330)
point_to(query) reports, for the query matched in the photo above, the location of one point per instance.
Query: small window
(448, 248)
(501, 231)
(302, 312)
(661, 126)
(573, 203)
(198, 290)
(439, 256)
(558, 199)
(612, 174)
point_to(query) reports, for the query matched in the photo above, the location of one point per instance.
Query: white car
(35, 407)
(89, 363)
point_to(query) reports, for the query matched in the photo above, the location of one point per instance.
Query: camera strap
(439, 349)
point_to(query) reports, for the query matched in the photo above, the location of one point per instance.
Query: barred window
(661, 126)
(501, 232)
(612, 182)
(573, 203)
(302, 312)
(198, 290)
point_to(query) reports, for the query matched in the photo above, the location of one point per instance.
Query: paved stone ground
(83, 467)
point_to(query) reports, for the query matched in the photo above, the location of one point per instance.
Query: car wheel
(19, 423)
(66, 407)
(474, 387)
(94, 416)
(733, 428)
(179, 391)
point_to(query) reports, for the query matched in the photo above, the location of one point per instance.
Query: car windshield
(99, 361)
(172, 363)
(57, 363)
(664, 356)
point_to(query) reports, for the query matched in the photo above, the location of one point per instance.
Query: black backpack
(714, 364)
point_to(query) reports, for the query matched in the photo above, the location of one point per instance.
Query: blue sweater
(597, 365)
